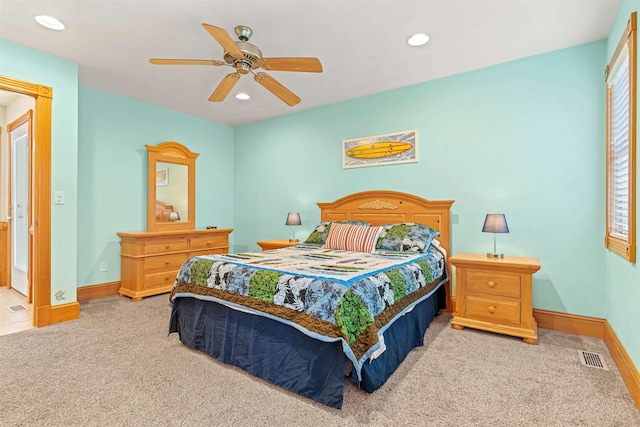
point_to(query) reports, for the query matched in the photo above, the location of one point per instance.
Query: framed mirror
(171, 187)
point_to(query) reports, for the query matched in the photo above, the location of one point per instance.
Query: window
(621, 146)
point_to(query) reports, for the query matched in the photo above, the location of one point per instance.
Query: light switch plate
(59, 197)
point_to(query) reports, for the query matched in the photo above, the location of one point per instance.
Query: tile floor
(11, 322)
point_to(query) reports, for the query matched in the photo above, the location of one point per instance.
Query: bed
(162, 211)
(311, 317)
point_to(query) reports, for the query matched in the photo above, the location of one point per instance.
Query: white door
(20, 208)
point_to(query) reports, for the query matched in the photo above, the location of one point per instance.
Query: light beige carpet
(117, 366)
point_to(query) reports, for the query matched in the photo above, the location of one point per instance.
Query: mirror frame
(170, 152)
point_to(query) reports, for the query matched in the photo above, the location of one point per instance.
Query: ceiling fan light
(418, 39)
(50, 22)
(242, 96)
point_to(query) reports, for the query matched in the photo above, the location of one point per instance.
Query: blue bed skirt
(287, 357)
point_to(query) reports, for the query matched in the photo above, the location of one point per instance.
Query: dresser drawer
(200, 243)
(493, 283)
(165, 246)
(208, 252)
(496, 311)
(157, 264)
(159, 280)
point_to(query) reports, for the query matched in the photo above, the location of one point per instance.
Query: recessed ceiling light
(242, 96)
(49, 22)
(418, 39)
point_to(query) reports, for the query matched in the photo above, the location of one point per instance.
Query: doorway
(18, 218)
(39, 229)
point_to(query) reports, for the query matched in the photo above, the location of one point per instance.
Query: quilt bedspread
(327, 294)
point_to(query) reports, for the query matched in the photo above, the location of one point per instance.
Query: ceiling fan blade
(309, 65)
(186, 62)
(277, 89)
(224, 39)
(224, 87)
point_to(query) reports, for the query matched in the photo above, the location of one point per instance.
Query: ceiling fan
(245, 58)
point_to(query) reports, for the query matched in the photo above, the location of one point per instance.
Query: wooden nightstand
(277, 244)
(494, 294)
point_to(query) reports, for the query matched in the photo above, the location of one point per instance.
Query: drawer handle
(491, 284)
(167, 278)
(208, 243)
(166, 263)
(491, 309)
(166, 247)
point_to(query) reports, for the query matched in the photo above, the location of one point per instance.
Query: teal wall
(623, 278)
(522, 138)
(35, 67)
(112, 173)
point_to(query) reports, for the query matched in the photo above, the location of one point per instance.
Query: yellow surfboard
(378, 150)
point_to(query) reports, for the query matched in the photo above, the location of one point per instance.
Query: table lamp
(495, 223)
(293, 219)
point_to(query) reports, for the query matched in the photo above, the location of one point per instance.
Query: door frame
(27, 117)
(40, 262)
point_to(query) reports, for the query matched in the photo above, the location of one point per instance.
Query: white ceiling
(7, 98)
(361, 44)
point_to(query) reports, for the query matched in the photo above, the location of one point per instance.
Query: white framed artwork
(387, 149)
(162, 176)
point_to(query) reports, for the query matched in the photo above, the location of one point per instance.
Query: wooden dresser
(150, 260)
(494, 294)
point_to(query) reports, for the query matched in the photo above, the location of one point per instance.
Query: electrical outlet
(103, 266)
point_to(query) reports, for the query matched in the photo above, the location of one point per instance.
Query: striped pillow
(349, 237)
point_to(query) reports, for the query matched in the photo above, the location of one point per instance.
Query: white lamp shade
(293, 219)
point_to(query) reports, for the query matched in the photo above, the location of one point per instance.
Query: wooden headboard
(163, 211)
(387, 207)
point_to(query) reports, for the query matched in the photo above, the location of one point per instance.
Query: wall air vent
(14, 308)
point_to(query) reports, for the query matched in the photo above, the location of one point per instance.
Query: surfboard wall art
(388, 149)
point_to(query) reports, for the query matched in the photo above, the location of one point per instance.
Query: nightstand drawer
(496, 311)
(198, 243)
(493, 283)
(164, 246)
(164, 263)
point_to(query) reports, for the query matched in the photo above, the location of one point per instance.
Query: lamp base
(495, 255)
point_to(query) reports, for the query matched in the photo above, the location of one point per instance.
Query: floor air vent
(592, 360)
(14, 308)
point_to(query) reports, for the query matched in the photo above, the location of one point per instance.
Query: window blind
(619, 147)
